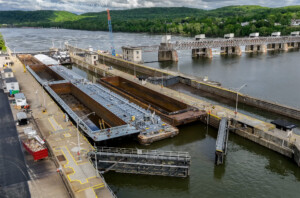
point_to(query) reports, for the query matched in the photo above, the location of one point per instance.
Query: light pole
(237, 98)
(77, 122)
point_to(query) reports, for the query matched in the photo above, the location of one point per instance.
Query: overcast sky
(99, 5)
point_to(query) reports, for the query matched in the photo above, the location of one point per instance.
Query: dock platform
(222, 141)
(140, 161)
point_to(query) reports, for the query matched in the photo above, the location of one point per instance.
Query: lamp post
(237, 98)
(77, 122)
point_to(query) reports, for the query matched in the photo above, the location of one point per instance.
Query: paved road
(13, 171)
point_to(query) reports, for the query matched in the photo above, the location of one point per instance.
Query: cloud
(100, 5)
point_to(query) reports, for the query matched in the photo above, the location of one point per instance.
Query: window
(95, 57)
(137, 52)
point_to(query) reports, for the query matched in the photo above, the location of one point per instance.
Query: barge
(172, 111)
(114, 116)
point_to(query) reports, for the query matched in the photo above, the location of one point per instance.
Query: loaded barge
(113, 115)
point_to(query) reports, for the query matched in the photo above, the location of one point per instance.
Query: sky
(80, 6)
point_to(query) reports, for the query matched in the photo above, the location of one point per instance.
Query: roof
(19, 96)
(131, 48)
(7, 70)
(284, 124)
(46, 59)
(21, 115)
(10, 80)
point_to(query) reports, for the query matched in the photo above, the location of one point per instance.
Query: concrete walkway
(61, 136)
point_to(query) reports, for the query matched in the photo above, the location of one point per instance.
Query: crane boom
(113, 51)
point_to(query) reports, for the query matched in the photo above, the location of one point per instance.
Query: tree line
(240, 20)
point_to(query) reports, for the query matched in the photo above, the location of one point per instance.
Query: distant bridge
(221, 42)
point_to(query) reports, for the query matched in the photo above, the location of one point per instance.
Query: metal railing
(143, 152)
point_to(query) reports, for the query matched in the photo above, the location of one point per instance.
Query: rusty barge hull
(170, 110)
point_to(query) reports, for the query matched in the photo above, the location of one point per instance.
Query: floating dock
(222, 141)
(140, 161)
(169, 109)
(114, 116)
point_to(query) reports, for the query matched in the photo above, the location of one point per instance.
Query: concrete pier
(256, 48)
(235, 50)
(203, 52)
(278, 46)
(165, 53)
(293, 45)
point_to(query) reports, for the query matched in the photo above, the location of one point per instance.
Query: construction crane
(113, 51)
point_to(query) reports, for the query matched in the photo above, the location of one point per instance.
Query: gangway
(140, 161)
(222, 141)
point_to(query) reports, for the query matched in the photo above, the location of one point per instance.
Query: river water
(250, 170)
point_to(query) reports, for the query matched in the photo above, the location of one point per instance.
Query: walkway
(61, 136)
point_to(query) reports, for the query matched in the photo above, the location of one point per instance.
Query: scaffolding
(140, 161)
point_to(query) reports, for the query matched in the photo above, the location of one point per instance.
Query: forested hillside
(241, 20)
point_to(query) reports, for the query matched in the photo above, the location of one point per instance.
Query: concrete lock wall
(264, 139)
(132, 66)
(251, 101)
(297, 154)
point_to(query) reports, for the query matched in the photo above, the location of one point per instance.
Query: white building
(229, 36)
(254, 35)
(5, 60)
(276, 34)
(91, 58)
(20, 100)
(133, 54)
(295, 22)
(200, 36)
(7, 73)
(11, 84)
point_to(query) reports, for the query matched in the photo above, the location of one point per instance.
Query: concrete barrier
(297, 153)
(248, 100)
(260, 137)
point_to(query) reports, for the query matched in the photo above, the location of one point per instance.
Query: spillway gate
(140, 161)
